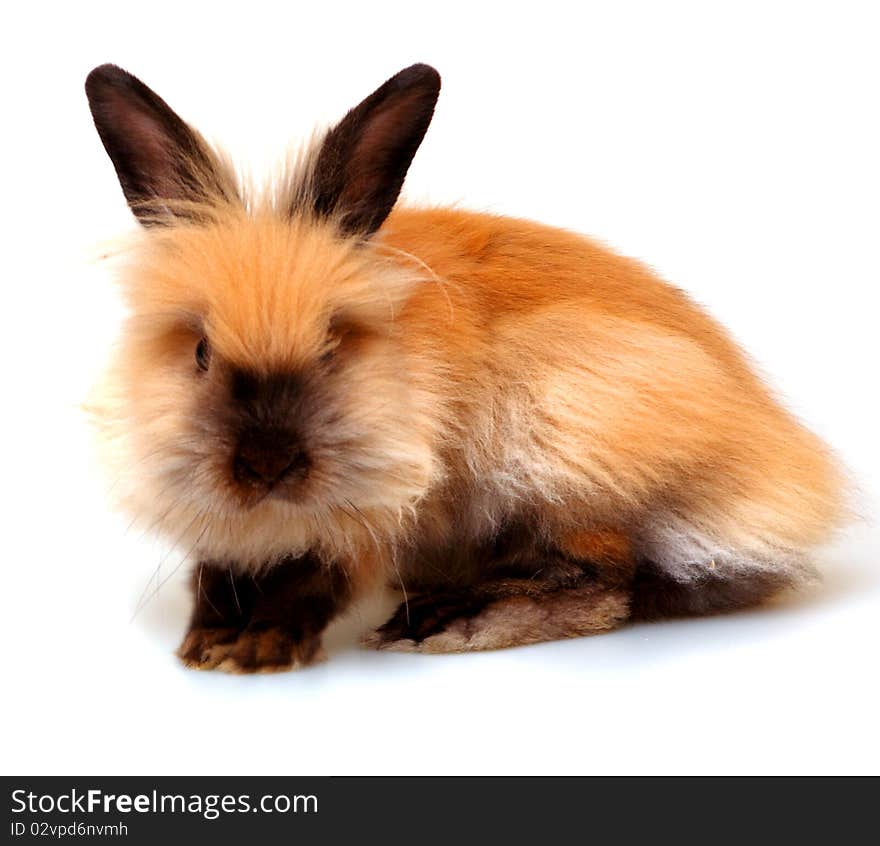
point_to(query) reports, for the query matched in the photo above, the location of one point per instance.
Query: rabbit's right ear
(161, 163)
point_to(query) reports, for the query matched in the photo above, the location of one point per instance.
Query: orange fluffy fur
(502, 366)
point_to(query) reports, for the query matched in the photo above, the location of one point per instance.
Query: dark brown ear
(161, 163)
(363, 161)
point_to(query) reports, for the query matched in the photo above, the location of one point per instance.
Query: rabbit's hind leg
(581, 586)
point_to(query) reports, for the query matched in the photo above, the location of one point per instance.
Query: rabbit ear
(161, 163)
(362, 162)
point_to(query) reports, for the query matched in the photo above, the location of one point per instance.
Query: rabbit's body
(589, 393)
(533, 436)
(589, 397)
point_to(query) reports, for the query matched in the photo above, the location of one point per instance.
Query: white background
(734, 149)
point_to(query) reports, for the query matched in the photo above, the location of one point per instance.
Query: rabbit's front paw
(261, 649)
(203, 645)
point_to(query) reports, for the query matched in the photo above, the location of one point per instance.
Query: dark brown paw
(258, 649)
(201, 644)
(423, 618)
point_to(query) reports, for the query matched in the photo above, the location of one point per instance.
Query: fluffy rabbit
(317, 392)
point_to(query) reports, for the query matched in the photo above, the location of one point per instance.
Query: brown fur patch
(657, 596)
(609, 548)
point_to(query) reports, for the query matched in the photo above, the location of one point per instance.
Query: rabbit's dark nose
(267, 457)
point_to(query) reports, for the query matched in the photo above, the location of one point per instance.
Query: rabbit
(320, 392)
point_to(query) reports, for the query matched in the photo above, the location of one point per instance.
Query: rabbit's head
(258, 389)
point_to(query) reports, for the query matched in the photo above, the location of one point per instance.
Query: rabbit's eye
(203, 354)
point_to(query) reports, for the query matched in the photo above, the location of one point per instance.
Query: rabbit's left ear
(363, 161)
(161, 163)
